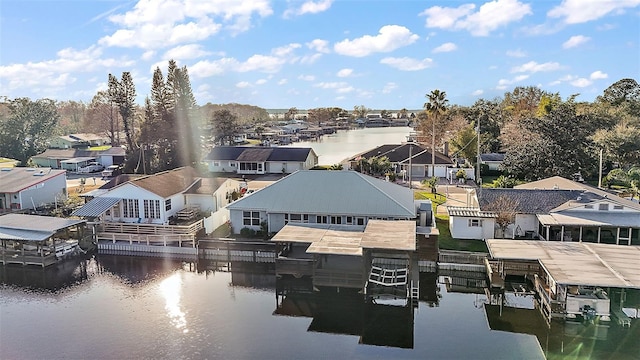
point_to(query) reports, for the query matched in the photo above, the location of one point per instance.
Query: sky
(383, 54)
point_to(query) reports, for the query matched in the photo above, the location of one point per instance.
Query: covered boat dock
(37, 240)
(572, 278)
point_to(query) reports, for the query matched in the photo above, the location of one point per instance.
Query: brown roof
(206, 186)
(169, 182)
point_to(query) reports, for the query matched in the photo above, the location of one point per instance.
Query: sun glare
(171, 288)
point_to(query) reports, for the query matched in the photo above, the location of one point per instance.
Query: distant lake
(333, 148)
(122, 307)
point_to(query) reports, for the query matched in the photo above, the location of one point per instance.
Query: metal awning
(590, 219)
(24, 234)
(96, 207)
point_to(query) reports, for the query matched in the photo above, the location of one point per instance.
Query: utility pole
(600, 172)
(478, 177)
(410, 156)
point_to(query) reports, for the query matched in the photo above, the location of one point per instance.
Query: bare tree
(506, 209)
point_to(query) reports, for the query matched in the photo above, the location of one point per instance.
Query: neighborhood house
(30, 188)
(260, 160)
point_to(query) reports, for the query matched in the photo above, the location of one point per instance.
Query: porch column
(562, 233)
(618, 237)
(580, 237)
(547, 232)
(599, 228)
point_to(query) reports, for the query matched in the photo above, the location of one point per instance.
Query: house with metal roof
(555, 209)
(30, 188)
(323, 197)
(260, 160)
(166, 208)
(404, 155)
(73, 159)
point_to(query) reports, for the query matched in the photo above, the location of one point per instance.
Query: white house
(492, 160)
(73, 159)
(323, 197)
(554, 209)
(163, 199)
(29, 188)
(403, 156)
(260, 160)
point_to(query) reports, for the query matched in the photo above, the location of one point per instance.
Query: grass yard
(445, 241)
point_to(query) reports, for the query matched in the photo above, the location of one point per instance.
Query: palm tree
(437, 105)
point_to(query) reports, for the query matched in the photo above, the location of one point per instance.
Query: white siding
(460, 229)
(526, 222)
(44, 192)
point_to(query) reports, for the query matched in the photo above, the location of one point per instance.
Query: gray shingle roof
(492, 157)
(331, 192)
(255, 153)
(528, 201)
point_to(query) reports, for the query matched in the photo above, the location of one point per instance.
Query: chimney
(446, 148)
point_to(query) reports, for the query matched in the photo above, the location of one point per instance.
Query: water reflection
(171, 289)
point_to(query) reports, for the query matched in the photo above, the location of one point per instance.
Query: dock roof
(351, 240)
(32, 227)
(573, 263)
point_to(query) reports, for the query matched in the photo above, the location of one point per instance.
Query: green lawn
(445, 241)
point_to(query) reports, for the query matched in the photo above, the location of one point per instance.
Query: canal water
(333, 148)
(122, 307)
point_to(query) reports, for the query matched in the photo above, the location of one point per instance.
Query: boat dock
(571, 279)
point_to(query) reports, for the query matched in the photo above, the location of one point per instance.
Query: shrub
(247, 232)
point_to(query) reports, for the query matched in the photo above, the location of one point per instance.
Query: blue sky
(384, 54)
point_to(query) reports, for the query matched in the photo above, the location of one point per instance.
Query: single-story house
(29, 188)
(83, 140)
(260, 160)
(73, 159)
(492, 160)
(553, 209)
(323, 197)
(162, 199)
(403, 155)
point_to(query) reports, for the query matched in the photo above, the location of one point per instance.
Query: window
(359, 221)
(251, 218)
(216, 163)
(618, 207)
(320, 219)
(336, 219)
(349, 220)
(130, 208)
(604, 206)
(248, 166)
(475, 223)
(167, 205)
(152, 209)
(232, 164)
(588, 206)
(116, 210)
(625, 233)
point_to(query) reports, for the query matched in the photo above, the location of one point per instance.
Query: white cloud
(446, 47)
(46, 75)
(477, 92)
(389, 38)
(158, 24)
(503, 83)
(191, 51)
(407, 64)
(581, 11)
(261, 63)
(306, 77)
(533, 67)
(563, 79)
(310, 59)
(489, 17)
(309, 7)
(331, 85)
(389, 87)
(575, 41)
(148, 55)
(516, 53)
(345, 90)
(261, 81)
(243, 84)
(283, 81)
(284, 51)
(597, 75)
(319, 45)
(581, 82)
(344, 73)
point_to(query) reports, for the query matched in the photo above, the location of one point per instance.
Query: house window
(624, 233)
(152, 209)
(618, 207)
(475, 223)
(232, 164)
(359, 221)
(336, 219)
(320, 219)
(604, 206)
(216, 163)
(130, 208)
(588, 206)
(349, 220)
(116, 211)
(251, 218)
(248, 166)
(167, 205)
